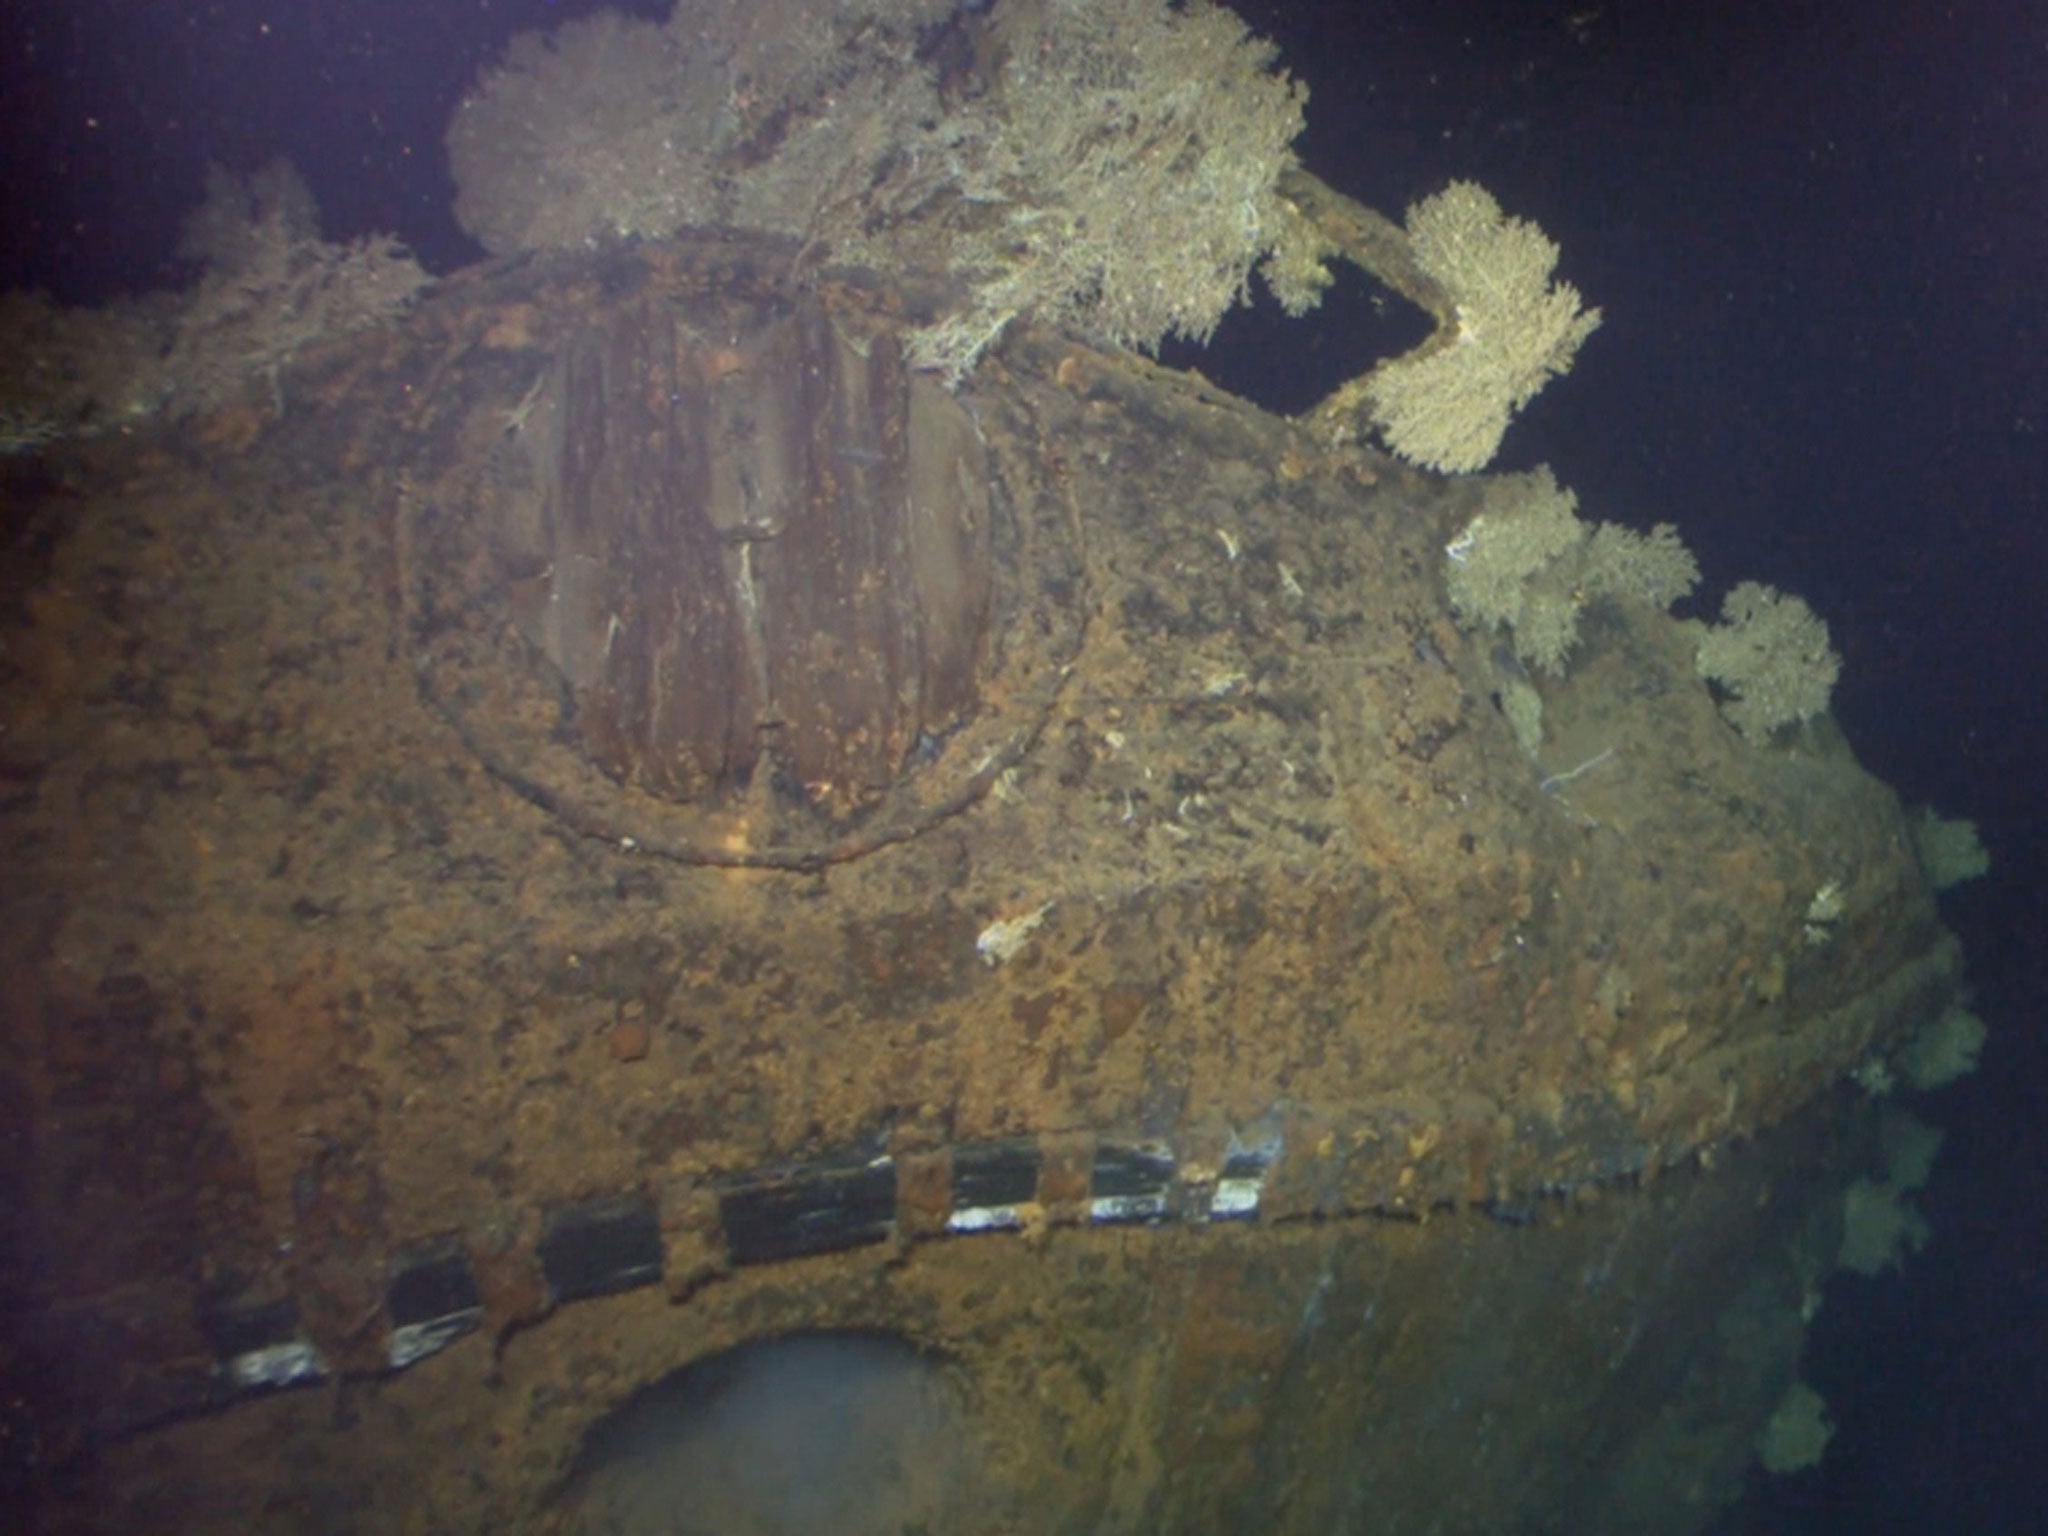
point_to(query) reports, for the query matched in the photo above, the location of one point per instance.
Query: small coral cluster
(1881, 1227)
(1944, 1052)
(1950, 849)
(755, 114)
(1527, 564)
(1771, 654)
(268, 287)
(1797, 1433)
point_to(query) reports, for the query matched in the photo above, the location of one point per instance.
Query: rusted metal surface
(620, 739)
(763, 551)
(783, 591)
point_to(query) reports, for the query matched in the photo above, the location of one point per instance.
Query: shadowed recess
(856, 1434)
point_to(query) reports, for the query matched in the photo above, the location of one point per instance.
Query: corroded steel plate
(738, 587)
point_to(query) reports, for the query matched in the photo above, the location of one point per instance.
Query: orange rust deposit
(590, 855)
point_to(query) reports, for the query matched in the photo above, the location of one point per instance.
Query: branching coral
(268, 287)
(1119, 177)
(272, 287)
(1772, 654)
(1448, 404)
(752, 113)
(1527, 564)
(1107, 165)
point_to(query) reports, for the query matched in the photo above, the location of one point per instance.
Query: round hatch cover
(737, 586)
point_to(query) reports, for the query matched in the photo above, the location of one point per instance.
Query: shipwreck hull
(624, 823)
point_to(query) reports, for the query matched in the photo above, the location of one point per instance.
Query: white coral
(1772, 653)
(1447, 407)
